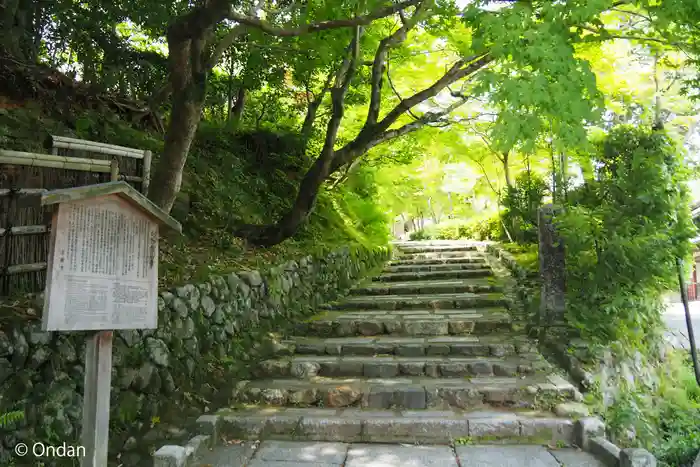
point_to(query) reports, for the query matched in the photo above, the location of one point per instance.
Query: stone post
(552, 271)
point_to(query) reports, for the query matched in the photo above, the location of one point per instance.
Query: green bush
(490, 228)
(623, 235)
(480, 228)
(663, 416)
(521, 203)
(678, 401)
(419, 235)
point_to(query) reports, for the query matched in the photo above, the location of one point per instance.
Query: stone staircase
(425, 353)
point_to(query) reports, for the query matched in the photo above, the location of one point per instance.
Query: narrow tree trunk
(506, 169)
(658, 116)
(555, 187)
(229, 93)
(433, 216)
(563, 176)
(237, 110)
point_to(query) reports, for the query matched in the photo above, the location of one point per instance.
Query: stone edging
(588, 434)
(598, 445)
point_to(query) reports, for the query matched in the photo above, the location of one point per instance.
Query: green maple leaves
(538, 83)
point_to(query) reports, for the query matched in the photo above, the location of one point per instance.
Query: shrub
(490, 228)
(521, 203)
(623, 234)
(479, 228)
(419, 235)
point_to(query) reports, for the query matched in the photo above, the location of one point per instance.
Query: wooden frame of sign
(102, 276)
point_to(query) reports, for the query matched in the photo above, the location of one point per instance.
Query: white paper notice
(103, 269)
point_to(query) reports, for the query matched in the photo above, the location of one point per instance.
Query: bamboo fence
(24, 177)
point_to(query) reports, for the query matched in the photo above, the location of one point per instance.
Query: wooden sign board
(102, 276)
(103, 259)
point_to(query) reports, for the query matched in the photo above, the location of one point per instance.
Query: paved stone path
(674, 318)
(424, 354)
(320, 454)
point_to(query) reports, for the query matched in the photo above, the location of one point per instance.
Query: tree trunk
(506, 169)
(236, 113)
(658, 115)
(229, 93)
(555, 184)
(184, 118)
(433, 216)
(20, 20)
(189, 85)
(288, 225)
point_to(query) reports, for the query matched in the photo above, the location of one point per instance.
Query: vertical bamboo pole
(147, 156)
(114, 170)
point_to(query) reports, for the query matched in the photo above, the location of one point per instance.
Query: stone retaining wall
(208, 337)
(591, 368)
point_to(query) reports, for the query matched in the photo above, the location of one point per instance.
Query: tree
(195, 48)
(522, 57)
(352, 71)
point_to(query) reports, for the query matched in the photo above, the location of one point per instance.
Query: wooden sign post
(102, 276)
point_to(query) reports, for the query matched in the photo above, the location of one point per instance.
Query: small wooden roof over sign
(121, 189)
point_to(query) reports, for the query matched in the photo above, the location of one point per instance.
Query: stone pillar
(552, 271)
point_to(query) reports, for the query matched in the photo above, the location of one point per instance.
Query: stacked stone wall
(209, 335)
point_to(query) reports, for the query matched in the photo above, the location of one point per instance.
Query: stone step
(305, 367)
(441, 301)
(388, 426)
(441, 255)
(407, 323)
(525, 392)
(500, 345)
(410, 273)
(472, 259)
(479, 285)
(436, 248)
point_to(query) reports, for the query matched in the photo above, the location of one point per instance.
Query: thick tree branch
(339, 91)
(361, 20)
(380, 62)
(380, 132)
(193, 24)
(459, 70)
(224, 44)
